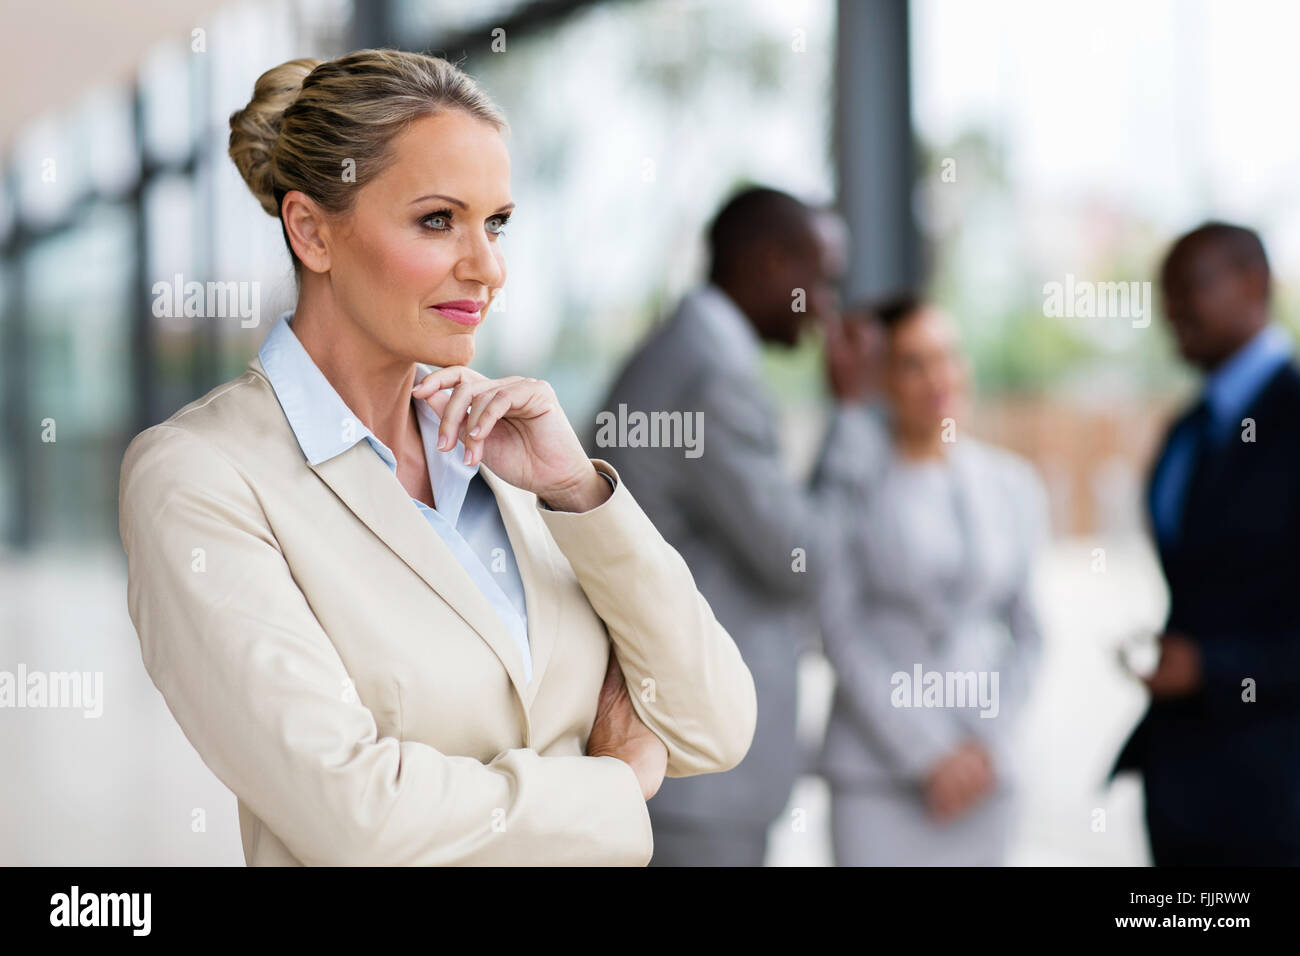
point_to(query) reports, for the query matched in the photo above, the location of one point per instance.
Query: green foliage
(1028, 353)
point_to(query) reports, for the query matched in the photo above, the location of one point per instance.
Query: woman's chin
(445, 356)
(946, 408)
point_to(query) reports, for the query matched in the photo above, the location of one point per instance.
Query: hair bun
(255, 129)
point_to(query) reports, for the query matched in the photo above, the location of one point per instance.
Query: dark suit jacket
(1219, 771)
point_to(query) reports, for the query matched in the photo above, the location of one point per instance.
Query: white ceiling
(52, 51)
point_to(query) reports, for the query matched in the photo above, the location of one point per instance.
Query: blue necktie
(1201, 460)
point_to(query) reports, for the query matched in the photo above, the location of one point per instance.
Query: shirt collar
(737, 332)
(448, 473)
(1231, 387)
(325, 427)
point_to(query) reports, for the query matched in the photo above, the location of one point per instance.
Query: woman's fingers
(487, 411)
(463, 397)
(484, 394)
(970, 780)
(614, 688)
(941, 799)
(613, 671)
(446, 377)
(431, 388)
(958, 783)
(452, 412)
(490, 406)
(469, 405)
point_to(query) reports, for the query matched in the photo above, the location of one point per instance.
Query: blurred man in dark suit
(1219, 747)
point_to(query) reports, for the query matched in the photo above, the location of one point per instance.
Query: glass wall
(9, 501)
(79, 339)
(108, 209)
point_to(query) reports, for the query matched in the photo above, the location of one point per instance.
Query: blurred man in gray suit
(691, 431)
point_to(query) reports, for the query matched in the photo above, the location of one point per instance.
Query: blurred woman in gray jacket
(927, 618)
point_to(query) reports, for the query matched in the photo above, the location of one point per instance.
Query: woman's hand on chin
(516, 427)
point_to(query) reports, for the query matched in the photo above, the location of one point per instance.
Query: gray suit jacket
(891, 606)
(755, 540)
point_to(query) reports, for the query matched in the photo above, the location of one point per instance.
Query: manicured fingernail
(468, 455)
(442, 443)
(473, 432)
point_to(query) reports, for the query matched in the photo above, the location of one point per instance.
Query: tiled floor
(127, 788)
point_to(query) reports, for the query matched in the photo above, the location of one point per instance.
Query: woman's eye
(497, 225)
(437, 220)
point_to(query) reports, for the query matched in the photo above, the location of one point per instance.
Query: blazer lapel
(969, 485)
(364, 483)
(533, 555)
(1219, 468)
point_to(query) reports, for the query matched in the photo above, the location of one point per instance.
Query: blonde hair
(311, 121)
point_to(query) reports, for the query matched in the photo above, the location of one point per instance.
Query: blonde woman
(391, 602)
(929, 619)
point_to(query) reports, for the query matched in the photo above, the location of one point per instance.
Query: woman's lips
(460, 314)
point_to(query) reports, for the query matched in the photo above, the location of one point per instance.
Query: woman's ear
(304, 221)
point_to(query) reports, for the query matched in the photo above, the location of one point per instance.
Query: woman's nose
(480, 263)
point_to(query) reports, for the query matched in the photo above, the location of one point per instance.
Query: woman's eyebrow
(452, 199)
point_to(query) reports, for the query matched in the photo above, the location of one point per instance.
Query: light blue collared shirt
(1229, 392)
(467, 518)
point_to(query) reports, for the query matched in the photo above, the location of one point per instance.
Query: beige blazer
(339, 671)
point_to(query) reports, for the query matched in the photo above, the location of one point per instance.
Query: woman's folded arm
(685, 675)
(260, 691)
